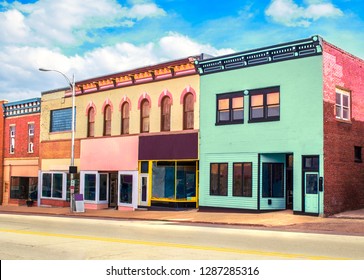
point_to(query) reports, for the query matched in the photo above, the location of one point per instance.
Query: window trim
(358, 154)
(145, 100)
(264, 92)
(347, 93)
(186, 113)
(271, 191)
(243, 181)
(107, 122)
(64, 187)
(123, 130)
(230, 96)
(166, 117)
(91, 121)
(219, 177)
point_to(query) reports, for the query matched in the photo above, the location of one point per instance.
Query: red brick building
(344, 133)
(21, 151)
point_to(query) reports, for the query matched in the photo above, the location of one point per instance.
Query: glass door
(311, 192)
(113, 190)
(143, 190)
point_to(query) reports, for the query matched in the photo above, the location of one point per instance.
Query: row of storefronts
(259, 130)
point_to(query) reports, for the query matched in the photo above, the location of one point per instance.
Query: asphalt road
(60, 238)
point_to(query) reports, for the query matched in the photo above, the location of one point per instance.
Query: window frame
(230, 96)
(67, 127)
(342, 93)
(219, 188)
(12, 134)
(166, 106)
(107, 120)
(187, 112)
(91, 122)
(64, 182)
(358, 154)
(145, 102)
(264, 92)
(242, 185)
(270, 183)
(31, 129)
(125, 118)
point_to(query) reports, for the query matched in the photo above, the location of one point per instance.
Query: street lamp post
(72, 168)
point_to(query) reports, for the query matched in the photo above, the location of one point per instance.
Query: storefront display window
(126, 188)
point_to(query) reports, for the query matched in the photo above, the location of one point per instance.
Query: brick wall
(344, 178)
(21, 136)
(59, 149)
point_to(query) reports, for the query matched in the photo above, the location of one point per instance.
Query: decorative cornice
(167, 70)
(23, 107)
(276, 53)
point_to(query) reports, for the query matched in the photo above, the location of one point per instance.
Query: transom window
(230, 108)
(219, 179)
(342, 105)
(264, 104)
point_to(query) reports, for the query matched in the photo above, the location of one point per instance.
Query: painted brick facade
(344, 178)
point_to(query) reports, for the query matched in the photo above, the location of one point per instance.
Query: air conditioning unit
(31, 131)
(12, 133)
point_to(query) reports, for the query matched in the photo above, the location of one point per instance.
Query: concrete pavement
(351, 222)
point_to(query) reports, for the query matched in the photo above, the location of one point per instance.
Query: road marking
(174, 245)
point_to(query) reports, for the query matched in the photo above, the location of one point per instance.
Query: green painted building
(262, 129)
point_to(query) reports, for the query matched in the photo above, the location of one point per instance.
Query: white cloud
(288, 13)
(20, 78)
(66, 22)
(181, 45)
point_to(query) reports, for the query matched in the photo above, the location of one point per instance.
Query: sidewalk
(351, 222)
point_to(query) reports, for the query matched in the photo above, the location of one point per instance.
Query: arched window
(188, 111)
(125, 118)
(144, 116)
(166, 114)
(91, 122)
(107, 120)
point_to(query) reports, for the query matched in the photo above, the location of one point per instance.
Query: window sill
(358, 161)
(229, 123)
(343, 121)
(264, 120)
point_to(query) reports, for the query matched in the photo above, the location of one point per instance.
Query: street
(59, 238)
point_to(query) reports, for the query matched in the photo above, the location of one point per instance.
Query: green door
(311, 192)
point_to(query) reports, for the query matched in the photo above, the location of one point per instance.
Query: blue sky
(97, 37)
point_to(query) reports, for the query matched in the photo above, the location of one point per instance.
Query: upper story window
(230, 108)
(166, 114)
(30, 137)
(61, 120)
(125, 114)
(12, 139)
(342, 105)
(91, 122)
(144, 116)
(188, 111)
(107, 120)
(264, 104)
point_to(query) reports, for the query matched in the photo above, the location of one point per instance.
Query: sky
(90, 38)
